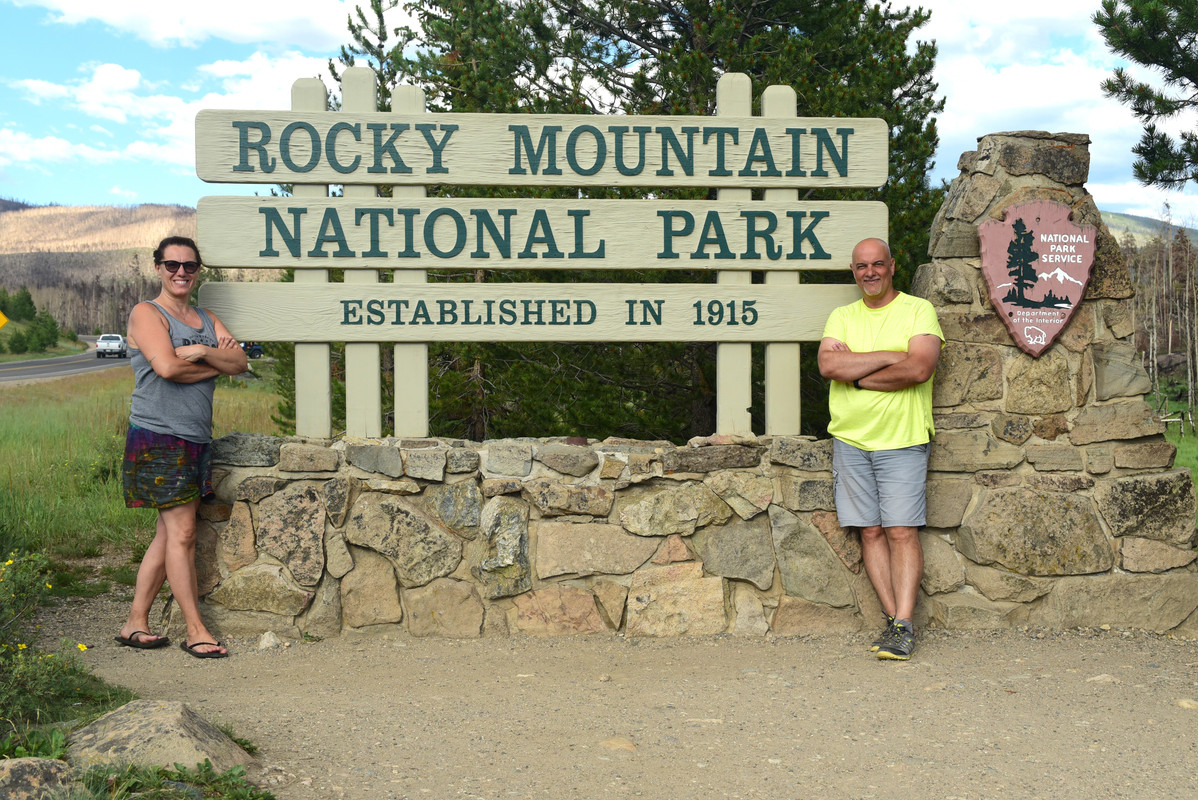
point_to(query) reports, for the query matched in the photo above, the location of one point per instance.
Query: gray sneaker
(884, 637)
(900, 644)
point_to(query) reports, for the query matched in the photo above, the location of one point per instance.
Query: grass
(65, 347)
(61, 446)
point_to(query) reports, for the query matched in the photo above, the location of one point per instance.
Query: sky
(98, 99)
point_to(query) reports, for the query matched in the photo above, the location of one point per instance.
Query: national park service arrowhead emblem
(1036, 264)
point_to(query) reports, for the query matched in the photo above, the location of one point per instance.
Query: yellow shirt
(882, 420)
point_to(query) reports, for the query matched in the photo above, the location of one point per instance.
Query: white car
(111, 344)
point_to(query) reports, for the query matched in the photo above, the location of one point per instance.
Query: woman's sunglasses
(189, 267)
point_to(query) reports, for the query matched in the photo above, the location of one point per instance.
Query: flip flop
(133, 640)
(190, 649)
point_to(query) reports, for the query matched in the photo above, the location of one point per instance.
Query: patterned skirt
(161, 471)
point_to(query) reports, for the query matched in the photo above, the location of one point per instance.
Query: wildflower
(21, 646)
(82, 647)
(48, 586)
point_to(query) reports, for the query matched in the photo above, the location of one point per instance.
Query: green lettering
(546, 149)
(722, 135)
(669, 231)
(507, 312)
(350, 312)
(669, 142)
(313, 146)
(713, 234)
(374, 312)
(772, 250)
(807, 234)
(580, 216)
(409, 232)
(436, 147)
(374, 214)
(540, 222)
(330, 146)
(381, 147)
(274, 221)
(331, 231)
(502, 242)
(641, 132)
(572, 146)
(759, 150)
(824, 144)
(796, 153)
(420, 315)
(244, 145)
(430, 238)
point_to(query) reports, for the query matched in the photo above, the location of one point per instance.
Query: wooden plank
(734, 361)
(525, 312)
(783, 404)
(313, 364)
(411, 360)
(539, 149)
(363, 367)
(438, 233)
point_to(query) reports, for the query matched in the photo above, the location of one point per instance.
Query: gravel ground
(1015, 714)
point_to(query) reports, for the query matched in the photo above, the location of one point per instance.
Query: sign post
(361, 232)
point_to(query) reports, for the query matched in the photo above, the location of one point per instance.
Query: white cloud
(262, 81)
(18, 148)
(124, 194)
(308, 24)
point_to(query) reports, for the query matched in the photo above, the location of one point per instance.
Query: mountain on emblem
(1036, 263)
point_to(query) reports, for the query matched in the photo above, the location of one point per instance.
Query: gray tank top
(176, 409)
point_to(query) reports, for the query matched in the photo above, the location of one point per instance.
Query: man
(880, 352)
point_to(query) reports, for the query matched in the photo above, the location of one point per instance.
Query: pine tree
(843, 57)
(1161, 35)
(1020, 258)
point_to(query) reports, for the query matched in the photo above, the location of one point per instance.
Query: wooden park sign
(541, 150)
(362, 149)
(1036, 263)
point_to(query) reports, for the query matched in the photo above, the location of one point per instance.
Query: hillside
(88, 265)
(1142, 229)
(89, 229)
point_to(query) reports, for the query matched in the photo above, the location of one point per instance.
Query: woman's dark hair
(178, 241)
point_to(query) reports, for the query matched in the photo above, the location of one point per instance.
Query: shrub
(18, 342)
(23, 584)
(30, 680)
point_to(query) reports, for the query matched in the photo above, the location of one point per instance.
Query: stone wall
(1052, 499)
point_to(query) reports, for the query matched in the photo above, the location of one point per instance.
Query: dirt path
(974, 715)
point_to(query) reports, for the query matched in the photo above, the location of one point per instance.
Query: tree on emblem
(1020, 256)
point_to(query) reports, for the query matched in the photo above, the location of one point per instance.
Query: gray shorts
(880, 487)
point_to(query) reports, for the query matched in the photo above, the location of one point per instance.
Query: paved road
(59, 367)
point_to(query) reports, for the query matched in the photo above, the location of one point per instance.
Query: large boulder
(738, 549)
(419, 546)
(572, 548)
(504, 570)
(810, 568)
(1151, 506)
(33, 778)
(155, 733)
(1035, 533)
(676, 510)
(291, 529)
(675, 600)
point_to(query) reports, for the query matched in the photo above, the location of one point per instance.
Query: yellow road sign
(3, 319)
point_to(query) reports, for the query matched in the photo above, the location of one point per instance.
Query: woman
(180, 351)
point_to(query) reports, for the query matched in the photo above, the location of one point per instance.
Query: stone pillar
(1053, 466)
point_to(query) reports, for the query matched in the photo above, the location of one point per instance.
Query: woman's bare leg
(180, 553)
